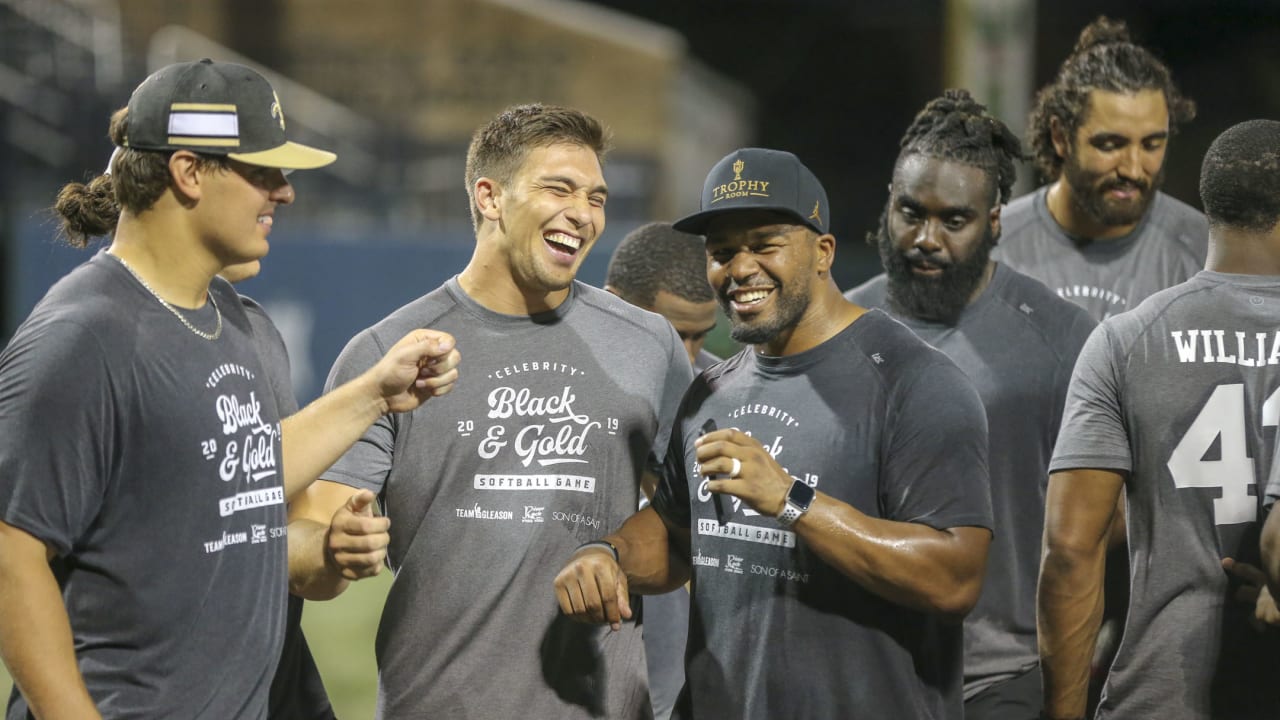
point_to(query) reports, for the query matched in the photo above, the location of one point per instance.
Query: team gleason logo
(738, 188)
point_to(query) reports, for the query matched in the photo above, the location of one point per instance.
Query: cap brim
(696, 224)
(289, 156)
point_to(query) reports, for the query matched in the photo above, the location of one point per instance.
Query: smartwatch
(799, 498)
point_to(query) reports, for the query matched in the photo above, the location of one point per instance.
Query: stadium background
(396, 87)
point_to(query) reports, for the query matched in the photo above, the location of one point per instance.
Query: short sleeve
(671, 500)
(275, 356)
(57, 422)
(678, 378)
(1072, 343)
(1093, 433)
(935, 458)
(368, 462)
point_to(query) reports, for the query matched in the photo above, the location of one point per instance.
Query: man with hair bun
(1101, 234)
(1174, 403)
(144, 462)
(1015, 340)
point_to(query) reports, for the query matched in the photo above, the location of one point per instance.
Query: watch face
(801, 495)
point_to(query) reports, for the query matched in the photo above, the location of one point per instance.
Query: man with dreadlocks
(1170, 403)
(1016, 341)
(1101, 234)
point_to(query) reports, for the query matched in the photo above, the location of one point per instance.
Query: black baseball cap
(760, 179)
(216, 108)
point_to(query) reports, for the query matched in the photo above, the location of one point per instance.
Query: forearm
(1068, 614)
(311, 575)
(35, 635)
(909, 564)
(317, 435)
(1271, 552)
(649, 554)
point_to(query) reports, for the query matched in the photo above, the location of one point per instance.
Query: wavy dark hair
(1104, 58)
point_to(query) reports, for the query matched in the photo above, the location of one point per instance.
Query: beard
(1090, 195)
(939, 299)
(789, 306)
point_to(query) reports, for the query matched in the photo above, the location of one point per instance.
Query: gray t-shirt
(490, 488)
(1018, 343)
(297, 691)
(149, 458)
(877, 419)
(1105, 277)
(1180, 394)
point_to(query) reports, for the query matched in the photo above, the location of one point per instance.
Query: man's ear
(488, 195)
(994, 219)
(1058, 135)
(826, 246)
(186, 175)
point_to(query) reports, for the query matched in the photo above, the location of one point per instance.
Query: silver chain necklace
(217, 331)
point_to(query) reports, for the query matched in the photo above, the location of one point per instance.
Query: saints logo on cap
(276, 111)
(216, 108)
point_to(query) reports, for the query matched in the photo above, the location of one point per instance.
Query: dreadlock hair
(956, 127)
(1240, 177)
(134, 181)
(657, 257)
(1104, 58)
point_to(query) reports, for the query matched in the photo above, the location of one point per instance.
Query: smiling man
(1101, 234)
(571, 392)
(144, 459)
(826, 487)
(1014, 338)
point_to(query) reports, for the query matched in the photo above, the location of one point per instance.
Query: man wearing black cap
(144, 465)
(826, 487)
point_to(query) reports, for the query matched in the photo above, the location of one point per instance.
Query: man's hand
(422, 365)
(355, 545)
(593, 589)
(1253, 591)
(759, 480)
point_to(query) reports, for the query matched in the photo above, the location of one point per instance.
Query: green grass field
(341, 635)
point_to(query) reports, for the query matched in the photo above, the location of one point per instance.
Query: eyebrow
(913, 204)
(1119, 137)
(601, 189)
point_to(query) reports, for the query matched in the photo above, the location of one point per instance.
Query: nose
(1131, 163)
(579, 210)
(282, 193)
(928, 237)
(742, 266)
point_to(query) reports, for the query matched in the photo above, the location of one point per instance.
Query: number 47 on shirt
(1223, 414)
